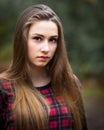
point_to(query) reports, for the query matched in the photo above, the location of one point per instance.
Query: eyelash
(37, 38)
(53, 40)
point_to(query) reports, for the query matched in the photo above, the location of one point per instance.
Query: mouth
(43, 58)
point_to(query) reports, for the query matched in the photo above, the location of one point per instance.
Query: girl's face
(42, 42)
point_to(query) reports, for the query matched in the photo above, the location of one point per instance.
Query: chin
(40, 65)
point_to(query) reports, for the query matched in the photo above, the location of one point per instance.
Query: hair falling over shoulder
(27, 99)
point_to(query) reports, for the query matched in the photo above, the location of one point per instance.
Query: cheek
(30, 51)
(54, 50)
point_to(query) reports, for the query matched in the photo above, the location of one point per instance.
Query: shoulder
(5, 84)
(6, 89)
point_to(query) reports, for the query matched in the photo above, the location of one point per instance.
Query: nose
(45, 47)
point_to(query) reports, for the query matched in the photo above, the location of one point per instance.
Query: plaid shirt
(60, 117)
(6, 103)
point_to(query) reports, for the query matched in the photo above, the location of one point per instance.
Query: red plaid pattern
(6, 103)
(60, 117)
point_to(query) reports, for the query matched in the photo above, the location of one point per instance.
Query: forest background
(83, 23)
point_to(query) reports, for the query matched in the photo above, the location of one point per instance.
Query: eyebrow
(43, 35)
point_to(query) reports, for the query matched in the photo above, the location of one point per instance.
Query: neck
(39, 76)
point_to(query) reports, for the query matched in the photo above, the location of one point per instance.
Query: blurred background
(83, 23)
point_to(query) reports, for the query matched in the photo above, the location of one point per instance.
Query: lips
(43, 58)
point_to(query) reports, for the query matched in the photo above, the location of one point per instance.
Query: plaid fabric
(6, 103)
(60, 117)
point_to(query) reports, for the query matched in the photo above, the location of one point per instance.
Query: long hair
(27, 99)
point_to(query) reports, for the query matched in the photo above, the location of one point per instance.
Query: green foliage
(6, 53)
(92, 91)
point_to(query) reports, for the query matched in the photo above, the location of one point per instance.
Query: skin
(42, 44)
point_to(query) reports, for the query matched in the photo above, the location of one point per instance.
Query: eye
(53, 40)
(37, 38)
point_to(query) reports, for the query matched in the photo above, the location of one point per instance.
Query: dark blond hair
(27, 100)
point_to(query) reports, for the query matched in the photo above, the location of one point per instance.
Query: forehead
(43, 27)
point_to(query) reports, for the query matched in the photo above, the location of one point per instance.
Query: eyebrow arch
(43, 35)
